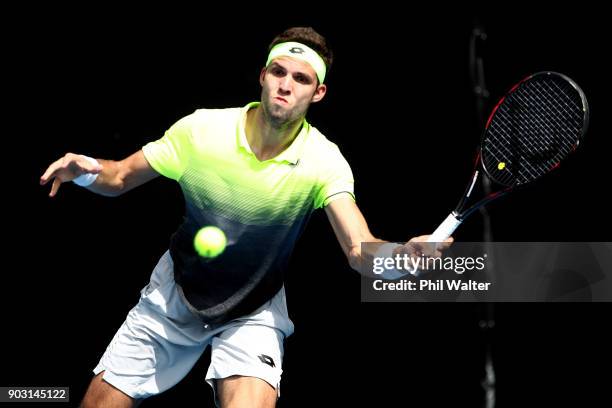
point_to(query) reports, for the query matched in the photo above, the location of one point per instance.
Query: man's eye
(277, 72)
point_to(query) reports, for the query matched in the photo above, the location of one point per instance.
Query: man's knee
(101, 394)
(241, 391)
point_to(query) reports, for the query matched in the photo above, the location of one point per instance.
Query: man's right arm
(114, 177)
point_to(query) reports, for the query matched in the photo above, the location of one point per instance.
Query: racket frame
(462, 211)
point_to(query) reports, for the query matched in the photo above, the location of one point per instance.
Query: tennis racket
(538, 123)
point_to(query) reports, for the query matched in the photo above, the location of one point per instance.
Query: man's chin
(279, 114)
(277, 108)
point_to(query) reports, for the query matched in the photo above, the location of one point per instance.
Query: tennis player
(257, 172)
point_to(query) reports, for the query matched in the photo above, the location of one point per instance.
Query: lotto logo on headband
(302, 52)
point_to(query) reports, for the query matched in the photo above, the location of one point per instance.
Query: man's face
(289, 86)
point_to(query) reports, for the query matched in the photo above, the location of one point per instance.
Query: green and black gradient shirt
(262, 206)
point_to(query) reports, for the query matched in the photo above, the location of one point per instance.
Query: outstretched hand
(419, 246)
(67, 168)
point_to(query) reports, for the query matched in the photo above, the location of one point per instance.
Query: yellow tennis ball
(501, 166)
(209, 242)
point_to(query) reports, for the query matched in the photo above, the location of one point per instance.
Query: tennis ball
(209, 242)
(501, 166)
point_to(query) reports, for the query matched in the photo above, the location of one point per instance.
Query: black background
(103, 82)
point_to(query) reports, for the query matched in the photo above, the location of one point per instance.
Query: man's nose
(285, 84)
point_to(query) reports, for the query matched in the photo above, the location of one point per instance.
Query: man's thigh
(243, 391)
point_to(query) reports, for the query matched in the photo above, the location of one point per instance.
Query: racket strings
(535, 127)
(553, 114)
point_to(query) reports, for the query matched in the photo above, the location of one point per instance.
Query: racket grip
(446, 229)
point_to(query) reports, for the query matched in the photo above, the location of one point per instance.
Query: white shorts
(161, 340)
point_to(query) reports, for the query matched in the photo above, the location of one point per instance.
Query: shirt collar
(291, 154)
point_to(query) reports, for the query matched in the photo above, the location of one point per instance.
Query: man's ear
(262, 74)
(319, 93)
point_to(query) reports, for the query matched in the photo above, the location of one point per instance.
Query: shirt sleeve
(336, 179)
(169, 156)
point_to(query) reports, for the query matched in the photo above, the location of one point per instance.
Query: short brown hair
(307, 36)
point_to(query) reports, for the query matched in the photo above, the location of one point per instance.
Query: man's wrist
(87, 179)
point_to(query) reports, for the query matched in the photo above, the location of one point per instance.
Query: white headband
(301, 52)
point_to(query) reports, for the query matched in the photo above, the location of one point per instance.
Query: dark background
(400, 105)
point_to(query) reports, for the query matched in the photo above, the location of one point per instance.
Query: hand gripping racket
(539, 122)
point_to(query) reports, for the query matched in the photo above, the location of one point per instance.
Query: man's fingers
(44, 179)
(414, 248)
(55, 186)
(417, 247)
(69, 167)
(54, 168)
(446, 243)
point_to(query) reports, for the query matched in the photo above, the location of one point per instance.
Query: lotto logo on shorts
(266, 360)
